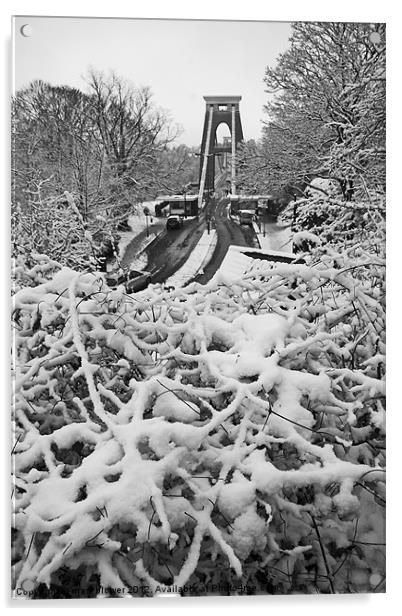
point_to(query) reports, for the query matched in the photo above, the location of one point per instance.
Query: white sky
(180, 60)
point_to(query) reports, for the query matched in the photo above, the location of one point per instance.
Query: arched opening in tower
(223, 148)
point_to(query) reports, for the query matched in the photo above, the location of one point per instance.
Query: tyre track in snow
(169, 253)
(229, 232)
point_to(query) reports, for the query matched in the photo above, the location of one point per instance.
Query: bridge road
(171, 250)
(229, 232)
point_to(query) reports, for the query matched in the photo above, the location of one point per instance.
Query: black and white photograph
(198, 246)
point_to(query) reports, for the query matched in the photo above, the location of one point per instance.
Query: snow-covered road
(196, 261)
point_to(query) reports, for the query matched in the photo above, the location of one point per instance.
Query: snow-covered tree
(108, 147)
(133, 133)
(327, 117)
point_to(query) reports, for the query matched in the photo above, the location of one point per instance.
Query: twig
(177, 396)
(324, 556)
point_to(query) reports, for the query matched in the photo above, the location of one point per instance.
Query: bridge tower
(219, 109)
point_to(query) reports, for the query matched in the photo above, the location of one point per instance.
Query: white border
(342, 10)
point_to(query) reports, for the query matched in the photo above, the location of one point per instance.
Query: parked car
(174, 222)
(133, 280)
(246, 217)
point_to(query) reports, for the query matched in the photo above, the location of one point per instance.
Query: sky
(180, 60)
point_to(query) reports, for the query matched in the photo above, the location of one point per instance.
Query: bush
(228, 434)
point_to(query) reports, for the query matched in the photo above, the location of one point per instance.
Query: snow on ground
(236, 264)
(199, 257)
(140, 262)
(138, 223)
(275, 238)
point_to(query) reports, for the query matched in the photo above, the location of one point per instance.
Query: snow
(249, 533)
(275, 237)
(330, 186)
(198, 259)
(235, 497)
(138, 223)
(140, 262)
(236, 264)
(227, 432)
(171, 406)
(150, 205)
(305, 236)
(204, 418)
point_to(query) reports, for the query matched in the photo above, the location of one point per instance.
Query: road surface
(229, 232)
(172, 249)
(169, 251)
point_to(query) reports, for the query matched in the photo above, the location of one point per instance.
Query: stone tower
(219, 109)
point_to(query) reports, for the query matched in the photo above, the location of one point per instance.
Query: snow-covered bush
(232, 433)
(54, 226)
(323, 186)
(339, 223)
